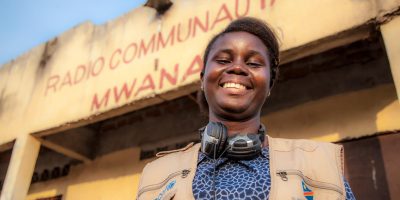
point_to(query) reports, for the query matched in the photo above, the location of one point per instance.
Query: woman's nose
(237, 69)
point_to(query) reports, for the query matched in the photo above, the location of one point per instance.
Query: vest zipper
(184, 173)
(313, 183)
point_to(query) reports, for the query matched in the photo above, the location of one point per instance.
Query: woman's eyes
(223, 61)
(254, 64)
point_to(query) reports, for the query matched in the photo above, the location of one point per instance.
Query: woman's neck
(234, 127)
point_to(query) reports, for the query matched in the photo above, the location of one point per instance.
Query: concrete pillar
(391, 35)
(20, 169)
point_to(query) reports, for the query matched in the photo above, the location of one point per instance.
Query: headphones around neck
(216, 143)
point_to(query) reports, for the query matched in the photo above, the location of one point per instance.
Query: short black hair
(257, 28)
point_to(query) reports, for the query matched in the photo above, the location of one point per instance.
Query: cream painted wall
(114, 176)
(390, 34)
(338, 117)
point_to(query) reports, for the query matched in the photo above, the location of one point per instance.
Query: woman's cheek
(212, 73)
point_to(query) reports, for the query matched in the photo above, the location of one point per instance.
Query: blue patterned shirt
(236, 179)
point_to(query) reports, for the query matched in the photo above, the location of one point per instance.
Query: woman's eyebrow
(253, 53)
(227, 51)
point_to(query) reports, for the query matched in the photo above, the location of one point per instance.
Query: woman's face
(237, 76)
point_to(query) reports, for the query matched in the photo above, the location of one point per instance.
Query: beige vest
(293, 165)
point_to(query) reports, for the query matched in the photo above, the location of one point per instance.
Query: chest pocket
(286, 174)
(310, 188)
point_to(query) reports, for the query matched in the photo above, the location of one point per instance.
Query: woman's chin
(234, 107)
(233, 112)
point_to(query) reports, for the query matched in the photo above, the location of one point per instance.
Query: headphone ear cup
(223, 138)
(214, 139)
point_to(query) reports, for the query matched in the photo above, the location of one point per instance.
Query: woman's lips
(234, 88)
(233, 85)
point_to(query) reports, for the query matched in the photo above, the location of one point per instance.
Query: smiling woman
(236, 79)
(236, 159)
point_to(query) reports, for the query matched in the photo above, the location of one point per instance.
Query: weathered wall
(353, 114)
(114, 176)
(90, 69)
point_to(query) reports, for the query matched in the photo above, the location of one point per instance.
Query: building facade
(82, 114)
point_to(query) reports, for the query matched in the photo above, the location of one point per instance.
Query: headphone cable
(215, 166)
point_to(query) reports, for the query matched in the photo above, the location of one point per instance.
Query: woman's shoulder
(174, 160)
(304, 144)
(189, 148)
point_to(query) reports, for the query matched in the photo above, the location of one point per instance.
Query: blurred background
(91, 91)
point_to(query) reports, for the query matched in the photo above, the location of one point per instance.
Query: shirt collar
(202, 157)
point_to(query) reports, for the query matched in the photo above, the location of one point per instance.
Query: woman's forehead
(238, 41)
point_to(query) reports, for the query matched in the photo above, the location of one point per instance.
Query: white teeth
(233, 85)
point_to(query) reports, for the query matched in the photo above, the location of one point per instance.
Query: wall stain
(49, 49)
(48, 52)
